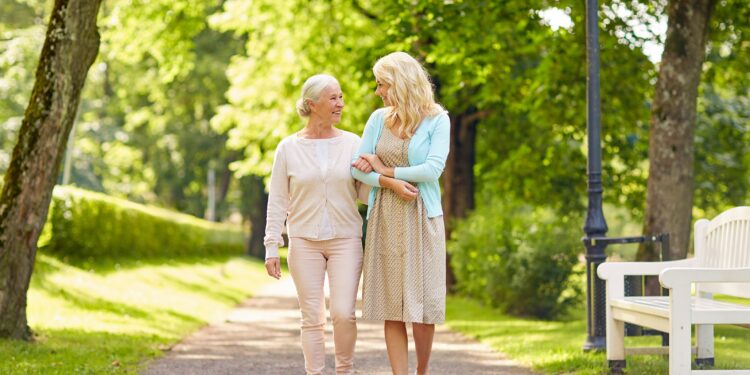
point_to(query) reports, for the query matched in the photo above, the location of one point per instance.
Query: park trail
(261, 336)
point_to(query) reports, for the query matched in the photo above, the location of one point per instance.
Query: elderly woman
(406, 143)
(312, 190)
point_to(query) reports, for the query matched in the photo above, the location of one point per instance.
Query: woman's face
(329, 105)
(382, 91)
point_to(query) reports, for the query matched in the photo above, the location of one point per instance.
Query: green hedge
(88, 225)
(518, 258)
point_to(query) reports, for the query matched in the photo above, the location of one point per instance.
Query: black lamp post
(596, 239)
(595, 225)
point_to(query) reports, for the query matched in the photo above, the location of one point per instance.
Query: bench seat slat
(704, 310)
(658, 306)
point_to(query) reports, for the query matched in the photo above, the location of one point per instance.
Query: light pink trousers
(308, 262)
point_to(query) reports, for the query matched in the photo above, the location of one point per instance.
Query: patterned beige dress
(404, 263)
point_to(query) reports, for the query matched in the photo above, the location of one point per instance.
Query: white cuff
(272, 251)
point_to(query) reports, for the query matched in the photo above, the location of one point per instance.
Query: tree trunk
(224, 182)
(458, 177)
(669, 198)
(70, 47)
(255, 200)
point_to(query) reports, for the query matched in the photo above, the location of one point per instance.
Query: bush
(518, 259)
(87, 225)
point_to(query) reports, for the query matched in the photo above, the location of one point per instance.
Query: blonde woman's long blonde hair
(410, 93)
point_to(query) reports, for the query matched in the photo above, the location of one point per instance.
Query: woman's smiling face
(382, 91)
(329, 105)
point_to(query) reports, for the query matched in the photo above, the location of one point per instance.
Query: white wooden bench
(721, 265)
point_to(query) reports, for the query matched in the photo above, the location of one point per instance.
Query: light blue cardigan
(428, 150)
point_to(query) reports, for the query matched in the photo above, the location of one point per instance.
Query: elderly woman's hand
(377, 164)
(362, 164)
(273, 267)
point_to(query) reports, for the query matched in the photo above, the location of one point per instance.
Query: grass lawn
(111, 318)
(554, 347)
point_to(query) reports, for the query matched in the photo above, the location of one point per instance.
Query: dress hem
(404, 321)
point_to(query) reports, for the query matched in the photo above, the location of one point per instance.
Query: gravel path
(261, 336)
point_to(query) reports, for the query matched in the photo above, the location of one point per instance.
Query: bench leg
(615, 344)
(679, 331)
(616, 367)
(704, 338)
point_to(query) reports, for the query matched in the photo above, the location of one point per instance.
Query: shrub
(83, 225)
(517, 258)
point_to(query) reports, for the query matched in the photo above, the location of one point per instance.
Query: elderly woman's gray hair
(311, 92)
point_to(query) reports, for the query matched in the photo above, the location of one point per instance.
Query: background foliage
(518, 258)
(90, 226)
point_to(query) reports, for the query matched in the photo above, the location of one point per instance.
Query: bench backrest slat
(724, 242)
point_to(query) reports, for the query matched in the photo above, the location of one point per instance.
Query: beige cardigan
(298, 191)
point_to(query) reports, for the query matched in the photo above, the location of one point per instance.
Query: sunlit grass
(554, 347)
(111, 318)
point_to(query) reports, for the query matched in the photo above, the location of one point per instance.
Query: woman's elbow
(426, 176)
(435, 176)
(435, 171)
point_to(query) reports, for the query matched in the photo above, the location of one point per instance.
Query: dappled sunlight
(136, 310)
(72, 350)
(202, 356)
(263, 336)
(556, 347)
(200, 291)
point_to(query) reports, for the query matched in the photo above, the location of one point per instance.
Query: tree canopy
(184, 87)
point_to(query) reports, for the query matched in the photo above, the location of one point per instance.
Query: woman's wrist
(384, 171)
(385, 181)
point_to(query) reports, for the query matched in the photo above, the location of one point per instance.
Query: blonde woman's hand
(273, 267)
(363, 165)
(403, 189)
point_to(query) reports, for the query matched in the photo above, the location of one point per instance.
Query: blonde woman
(406, 143)
(312, 190)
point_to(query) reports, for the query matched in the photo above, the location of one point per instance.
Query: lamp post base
(594, 343)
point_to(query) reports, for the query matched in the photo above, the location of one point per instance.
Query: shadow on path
(261, 336)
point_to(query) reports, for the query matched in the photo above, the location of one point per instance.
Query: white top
(325, 232)
(312, 189)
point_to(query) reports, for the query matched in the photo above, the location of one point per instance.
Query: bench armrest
(611, 270)
(671, 277)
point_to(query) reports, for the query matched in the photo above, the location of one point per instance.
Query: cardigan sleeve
(433, 166)
(362, 189)
(367, 146)
(278, 204)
